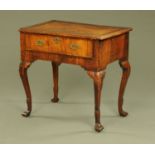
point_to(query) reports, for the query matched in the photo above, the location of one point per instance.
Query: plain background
(72, 120)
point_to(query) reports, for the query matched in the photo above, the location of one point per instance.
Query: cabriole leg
(124, 64)
(98, 80)
(23, 74)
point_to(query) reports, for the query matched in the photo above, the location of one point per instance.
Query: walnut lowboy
(92, 47)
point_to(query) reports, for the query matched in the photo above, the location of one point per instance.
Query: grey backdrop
(72, 120)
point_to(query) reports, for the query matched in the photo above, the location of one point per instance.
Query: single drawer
(59, 45)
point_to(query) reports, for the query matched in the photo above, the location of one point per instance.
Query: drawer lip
(60, 55)
(86, 45)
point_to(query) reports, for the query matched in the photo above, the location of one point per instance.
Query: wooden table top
(76, 30)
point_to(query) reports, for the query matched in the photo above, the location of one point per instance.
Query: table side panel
(118, 47)
(112, 49)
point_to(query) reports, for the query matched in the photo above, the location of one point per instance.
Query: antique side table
(92, 47)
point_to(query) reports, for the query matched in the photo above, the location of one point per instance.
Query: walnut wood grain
(32, 43)
(59, 45)
(77, 30)
(98, 80)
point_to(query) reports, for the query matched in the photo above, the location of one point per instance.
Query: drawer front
(37, 43)
(78, 47)
(59, 45)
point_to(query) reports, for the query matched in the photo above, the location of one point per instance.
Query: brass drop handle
(40, 42)
(74, 46)
(57, 40)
